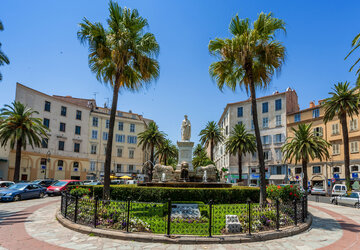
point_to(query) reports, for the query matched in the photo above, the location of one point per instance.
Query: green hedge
(161, 194)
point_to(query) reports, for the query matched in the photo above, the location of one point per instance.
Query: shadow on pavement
(10, 218)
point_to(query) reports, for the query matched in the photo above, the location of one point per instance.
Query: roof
(77, 101)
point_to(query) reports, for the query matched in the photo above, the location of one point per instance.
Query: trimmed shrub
(162, 194)
(80, 191)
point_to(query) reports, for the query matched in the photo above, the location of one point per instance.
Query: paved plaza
(32, 225)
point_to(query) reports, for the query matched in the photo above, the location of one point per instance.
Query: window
(298, 170)
(318, 131)
(354, 195)
(254, 156)
(76, 165)
(265, 139)
(92, 166)
(277, 170)
(118, 168)
(316, 169)
(119, 138)
(316, 113)
(131, 153)
(78, 115)
(63, 111)
(119, 152)
(43, 162)
(121, 126)
(77, 130)
(354, 147)
(105, 147)
(131, 168)
(278, 120)
(46, 122)
(226, 130)
(44, 143)
(335, 149)
(353, 125)
(278, 154)
(297, 117)
(47, 106)
(336, 169)
(354, 168)
(93, 149)
(107, 123)
(240, 111)
(265, 122)
(278, 138)
(267, 155)
(335, 129)
(265, 107)
(94, 134)
(62, 126)
(95, 122)
(60, 165)
(105, 136)
(253, 170)
(132, 139)
(240, 122)
(252, 125)
(76, 147)
(61, 145)
(278, 104)
(132, 128)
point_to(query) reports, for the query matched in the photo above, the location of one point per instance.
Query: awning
(277, 177)
(125, 177)
(3, 160)
(317, 178)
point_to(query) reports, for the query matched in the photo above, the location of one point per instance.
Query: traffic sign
(333, 180)
(297, 177)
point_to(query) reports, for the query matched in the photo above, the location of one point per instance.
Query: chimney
(312, 104)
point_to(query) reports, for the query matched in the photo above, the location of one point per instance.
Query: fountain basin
(187, 184)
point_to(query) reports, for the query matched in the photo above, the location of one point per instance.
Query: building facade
(272, 111)
(328, 171)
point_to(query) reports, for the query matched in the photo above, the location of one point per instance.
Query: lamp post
(48, 154)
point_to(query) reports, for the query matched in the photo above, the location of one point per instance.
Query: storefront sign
(336, 176)
(355, 175)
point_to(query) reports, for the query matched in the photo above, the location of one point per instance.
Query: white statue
(185, 129)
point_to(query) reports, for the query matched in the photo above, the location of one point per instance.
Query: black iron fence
(199, 219)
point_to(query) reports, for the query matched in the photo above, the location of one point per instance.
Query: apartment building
(64, 154)
(272, 111)
(4, 162)
(323, 172)
(127, 157)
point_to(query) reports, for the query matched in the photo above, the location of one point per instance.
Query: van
(338, 189)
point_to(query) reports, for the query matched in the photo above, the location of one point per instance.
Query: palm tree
(240, 142)
(201, 160)
(211, 135)
(3, 58)
(248, 60)
(355, 44)
(20, 128)
(344, 101)
(303, 146)
(149, 139)
(165, 151)
(197, 150)
(121, 56)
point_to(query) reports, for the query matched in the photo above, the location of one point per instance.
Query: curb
(177, 239)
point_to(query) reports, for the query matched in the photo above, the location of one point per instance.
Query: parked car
(339, 189)
(252, 185)
(319, 190)
(352, 199)
(61, 185)
(22, 191)
(44, 182)
(93, 183)
(6, 184)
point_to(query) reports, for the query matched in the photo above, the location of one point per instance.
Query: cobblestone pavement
(332, 226)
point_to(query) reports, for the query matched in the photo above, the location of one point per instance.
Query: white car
(252, 185)
(338, 189)
(352, 199)
(6, 184)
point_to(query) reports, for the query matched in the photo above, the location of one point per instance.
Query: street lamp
(48, 154)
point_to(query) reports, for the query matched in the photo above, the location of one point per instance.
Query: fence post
(62, 203)
(169, 218)
(249, 214)
(95, 211)
(303, 209)
(128, 214)
(295, 212)
(76, 208)
(66, 205)
(210, 218)
(277, 215)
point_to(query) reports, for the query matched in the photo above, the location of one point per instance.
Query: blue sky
(40, 40)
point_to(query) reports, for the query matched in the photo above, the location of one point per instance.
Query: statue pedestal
(185, 154)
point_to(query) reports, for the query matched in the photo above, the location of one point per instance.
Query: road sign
(333, 180)
(297, 177)
(43, 167)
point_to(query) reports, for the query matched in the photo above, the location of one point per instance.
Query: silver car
(352, 199)
(318, 190)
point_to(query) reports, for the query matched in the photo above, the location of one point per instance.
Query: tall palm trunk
(248, 69)
(165, 160)
(152, 162)
(343, 122)
(240, 165)
(106, 190)
(305, 175)
(17, 161)
(212, 150)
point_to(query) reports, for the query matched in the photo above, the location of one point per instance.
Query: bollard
(66, 205)
(128, 215)
(277, 215)
(249, 215)
(210, 218)
(303, 209)
(76, 208)
(295, 212)
(95, 211)
(62, 203)
(169, 218)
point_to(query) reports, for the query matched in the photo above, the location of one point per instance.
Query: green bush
(80, 191)
(162, 194)
(283, 193)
